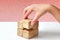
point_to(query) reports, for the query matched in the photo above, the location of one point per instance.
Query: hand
(39, 10)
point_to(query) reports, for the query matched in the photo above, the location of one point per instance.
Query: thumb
(35, 19)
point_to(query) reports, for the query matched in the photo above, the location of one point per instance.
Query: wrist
(52, 9)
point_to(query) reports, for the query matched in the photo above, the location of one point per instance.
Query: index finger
(27, 12)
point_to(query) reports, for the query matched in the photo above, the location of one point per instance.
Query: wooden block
(20, 24)
(25, 29)
(35, 26)
(27, 33)
(27, 24)
(30, 33)
(20, 32)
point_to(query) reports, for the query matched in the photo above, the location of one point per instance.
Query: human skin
(40, 10)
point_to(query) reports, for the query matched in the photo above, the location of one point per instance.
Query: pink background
(12, 10)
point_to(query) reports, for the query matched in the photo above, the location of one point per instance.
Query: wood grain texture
(26, 23)
(25, 30)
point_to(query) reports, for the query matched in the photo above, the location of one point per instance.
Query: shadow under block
(26, 23)
(27, 33)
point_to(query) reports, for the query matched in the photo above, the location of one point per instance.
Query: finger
(35, 19)
(25, 10)
(27, 13)
(37, 16)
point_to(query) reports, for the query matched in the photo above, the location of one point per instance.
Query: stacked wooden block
(26, 30)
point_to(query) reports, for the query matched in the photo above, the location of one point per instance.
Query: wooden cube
(27, 33)
(20, 32)
(20, 24)
(25, 29)
(35, 26)
(30, 33)
(27, 24)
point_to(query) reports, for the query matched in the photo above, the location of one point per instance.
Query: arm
(40, 10)
(55, 12)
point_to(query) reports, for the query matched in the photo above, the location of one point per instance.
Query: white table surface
(47, 31)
